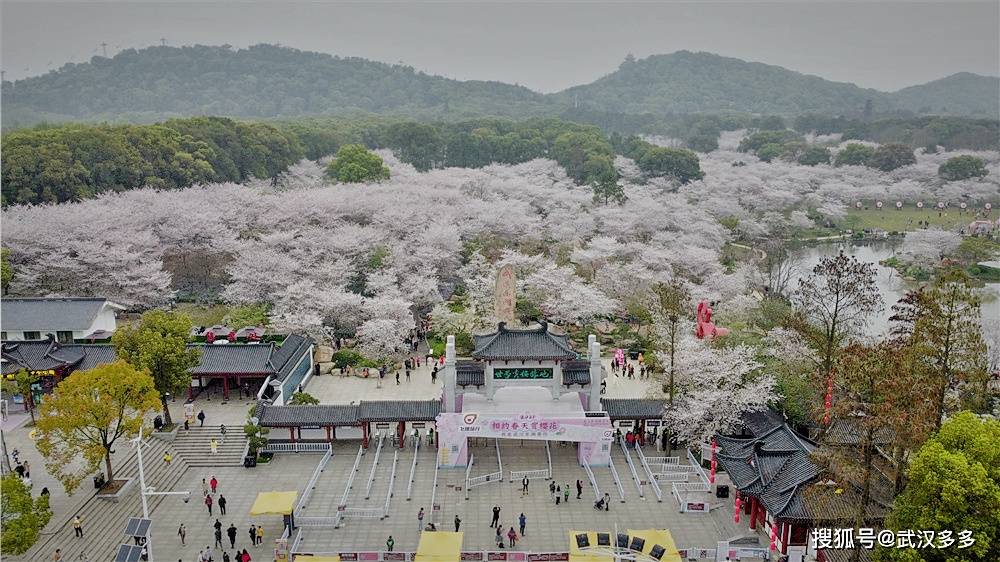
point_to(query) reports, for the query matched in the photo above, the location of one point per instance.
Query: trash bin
(722, 491)
(99, 481)
(250, 461)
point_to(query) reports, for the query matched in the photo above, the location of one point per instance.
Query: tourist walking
(231, 531)
(579, 488)
(389, 543)
(213, 446)
(213, 483)
(208, 504)
(522, 522)
(260, 535)
(512, 536)
(245, 557)
(524, 486)
(397, 378)
(558, 494)
(78, 527)
(204, 487)
(496, 516)
(201, 418)
(499, 537)
(57, 556)
(167, 458)
(607, 501)
(222, 504)
(222, 430)
(566, 494)
(458, 523)
(552, 490)
(420, 519)
(252, 531)
(218, 538)
(182, 533)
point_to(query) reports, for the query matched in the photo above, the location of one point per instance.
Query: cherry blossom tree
(715, 388)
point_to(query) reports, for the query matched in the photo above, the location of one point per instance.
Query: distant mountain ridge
(267, 81)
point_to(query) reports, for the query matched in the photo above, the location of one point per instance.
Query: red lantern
(711, 475)
(232, 336)
(210, 336)
(774, 536)
(739, 504)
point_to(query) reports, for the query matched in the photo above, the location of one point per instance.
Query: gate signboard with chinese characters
(591, 432)
(522, 373)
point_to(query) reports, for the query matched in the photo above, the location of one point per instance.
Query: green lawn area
(905, 219)
(203, 315)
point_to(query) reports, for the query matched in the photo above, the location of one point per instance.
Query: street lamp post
(150, 491)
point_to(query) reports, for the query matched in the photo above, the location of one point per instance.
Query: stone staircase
(103, 520)
(195, 446)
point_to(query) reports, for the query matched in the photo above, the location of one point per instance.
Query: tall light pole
(150, 491)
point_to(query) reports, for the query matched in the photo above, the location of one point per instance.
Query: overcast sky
(545, 46)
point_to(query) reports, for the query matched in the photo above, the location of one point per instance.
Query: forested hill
(267, 81)
(263, 81)
(686, 82)
(963, 93)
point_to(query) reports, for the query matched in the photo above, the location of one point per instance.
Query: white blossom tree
(715, 388)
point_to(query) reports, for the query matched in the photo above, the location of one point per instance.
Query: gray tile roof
(246, 359)
(532, 343)
(633, 408)
(38, 314)
(576, 372)
(288, 355)
(398, 410)
(39, 355)
(306, 415)
(469, 373)
(775, 465)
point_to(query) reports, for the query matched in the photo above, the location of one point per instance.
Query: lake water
(890, 284)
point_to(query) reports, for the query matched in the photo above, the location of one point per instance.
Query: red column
(291, 433)
(401, 430)
(225, 387)
(787, 528)
(753, 513)
(328, 438)
(334, 432)
(190, 391)
(364, 435)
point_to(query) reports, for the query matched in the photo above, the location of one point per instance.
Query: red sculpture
(705, 327)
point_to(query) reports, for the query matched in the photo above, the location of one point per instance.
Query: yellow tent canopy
(439, 546)
(274, 503)
(660, 537)
(311, 558)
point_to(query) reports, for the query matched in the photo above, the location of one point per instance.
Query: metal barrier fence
(437, 465)
(618, 482)
(499, 460)
(548, 458)
(519, 474)
(371, 475)
(350, 483)
(593, 481)
(663, 460)
(295, 447)
(311, 486)
(392, 481)
(631, 467)
(468, 471)
(310, 521)
(649, 473)
(697, 468)
(413, 470)
(361, 513)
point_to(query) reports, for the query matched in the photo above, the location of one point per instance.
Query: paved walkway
(348, 389)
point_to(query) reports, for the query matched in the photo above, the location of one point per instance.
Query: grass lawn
(905, 219)
(203, 315)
